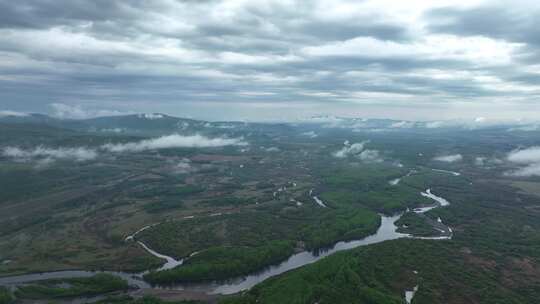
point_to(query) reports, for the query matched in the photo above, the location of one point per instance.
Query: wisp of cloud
(174, 141)
(449, 158)
(358, 150)
(41, 152)
(529, 157)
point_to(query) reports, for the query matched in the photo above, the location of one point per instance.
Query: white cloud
(358, 150)
(370, 156)
(525, 156)
(219, 125)
(65, 111)
(172, 50)
(529, 157)
(483, 122)
(323, 119)
(480, 161)
(151, 116)
(480, 119)
(310, 134)
(527, 128)
(434, 124)
(449, 158)
(272, 149)
(12, 113)
(349, 149)
(226, 126)
(45, 154)
(402, 124)
(527, 171)
(184, 167)
(113, 130)
(174, 141)
(443, 46)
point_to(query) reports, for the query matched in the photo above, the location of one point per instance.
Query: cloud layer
(449, 158)
(12, 113)
(272, 59)
(174, 141)
(359, 151)
(184, 167)
(45, 154)
(530, 160)
(525, 156)
(349, 149)
(61, 110)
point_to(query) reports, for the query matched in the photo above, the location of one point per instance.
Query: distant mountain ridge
(158, 123)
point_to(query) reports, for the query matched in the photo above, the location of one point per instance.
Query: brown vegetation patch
(521, 272)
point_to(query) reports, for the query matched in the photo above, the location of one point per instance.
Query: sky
(272, 60)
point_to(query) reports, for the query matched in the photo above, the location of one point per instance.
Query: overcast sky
(272, 60)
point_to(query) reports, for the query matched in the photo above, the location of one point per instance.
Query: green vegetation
(368, 186)
(74, 287)
(364, 177)
(340, 225)
(415, 224)
(489, 260)
(228, 201)
(68, 214)
(170, 191)
(143, 300)
(380, 274)
(162, 205)
(5, 296)
(224, 262)
(337, 279)
(265, 185)
(238, 244)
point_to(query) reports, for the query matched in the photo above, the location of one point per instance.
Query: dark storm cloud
(151, 55)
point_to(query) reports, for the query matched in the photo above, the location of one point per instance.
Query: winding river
(386, 231)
